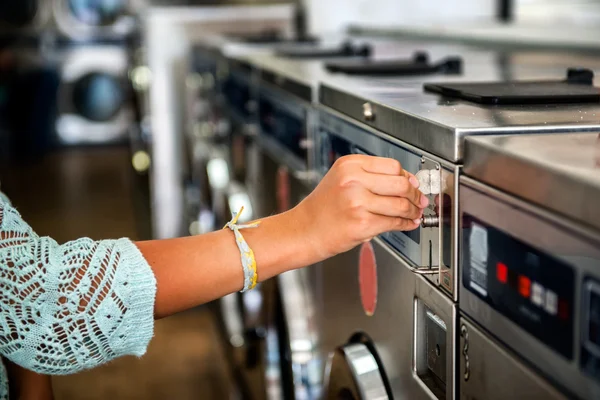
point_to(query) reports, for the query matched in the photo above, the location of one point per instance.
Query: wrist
(308, 235)
(283, 242)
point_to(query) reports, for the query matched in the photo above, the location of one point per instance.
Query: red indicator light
(524, 286)
(501, 272)
(563, 309)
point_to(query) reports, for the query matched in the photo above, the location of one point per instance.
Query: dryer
(529, 271)
(422, 123)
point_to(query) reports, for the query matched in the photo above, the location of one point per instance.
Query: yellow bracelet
(247, 255)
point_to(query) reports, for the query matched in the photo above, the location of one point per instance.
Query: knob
(430, 221)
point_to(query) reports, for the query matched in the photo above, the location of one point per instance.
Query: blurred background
(92, 104)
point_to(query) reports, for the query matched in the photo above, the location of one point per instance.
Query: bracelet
(247, 255)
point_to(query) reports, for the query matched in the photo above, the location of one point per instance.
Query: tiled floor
(88, 193)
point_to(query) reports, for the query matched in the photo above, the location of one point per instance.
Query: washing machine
(287, 96)
(224, 163)
(370, 300)
(529, 270)
(94, 97)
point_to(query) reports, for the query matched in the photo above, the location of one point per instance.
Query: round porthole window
(97, 12)
(98, 96)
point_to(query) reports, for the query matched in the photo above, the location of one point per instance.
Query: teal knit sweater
(66, 308)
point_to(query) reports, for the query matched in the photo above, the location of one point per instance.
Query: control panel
(284, 120)
(421, 247)
(531, 280)
(590, 329)
(533, 289)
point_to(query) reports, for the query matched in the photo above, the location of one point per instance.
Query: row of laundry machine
(496, 295)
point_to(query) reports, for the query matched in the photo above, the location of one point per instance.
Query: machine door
(292, 360)
(94, 104)
(489, 371)
(354, 372)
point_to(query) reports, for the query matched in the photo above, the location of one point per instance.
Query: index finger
(388, 166)
(384, 166)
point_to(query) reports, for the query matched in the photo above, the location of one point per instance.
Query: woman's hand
(360, 198)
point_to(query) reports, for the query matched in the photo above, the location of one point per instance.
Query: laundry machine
(422, 122)
(287, 99)
(530, 234)
(224, 165)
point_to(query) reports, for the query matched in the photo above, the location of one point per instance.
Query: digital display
(530, 287)
(590, 341)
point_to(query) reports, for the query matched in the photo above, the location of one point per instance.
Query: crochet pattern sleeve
(65, 308)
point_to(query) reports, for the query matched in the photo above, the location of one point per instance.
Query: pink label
(367, 278)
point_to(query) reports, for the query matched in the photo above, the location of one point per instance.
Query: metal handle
(423, 271)
(353, 369)
(430, 221)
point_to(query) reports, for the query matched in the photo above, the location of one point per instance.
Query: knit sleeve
(65, 308)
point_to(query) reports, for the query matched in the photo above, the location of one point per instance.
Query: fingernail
(417, 221)
(424, 201)
(414, 181)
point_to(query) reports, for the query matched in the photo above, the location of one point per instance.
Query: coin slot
(430, 350)
(430, 254)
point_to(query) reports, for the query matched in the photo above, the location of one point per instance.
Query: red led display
(501, 272)
(524, 286)
(563, 309)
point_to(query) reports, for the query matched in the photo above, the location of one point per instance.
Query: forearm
(27, 385)
(196, 270)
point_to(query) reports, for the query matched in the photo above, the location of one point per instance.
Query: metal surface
(397, 330)
(558, 172)
(575, 37)
(301, 77)
(487, 370)
(431, 251)
(354, 374)
(563, 240)
(402, 109)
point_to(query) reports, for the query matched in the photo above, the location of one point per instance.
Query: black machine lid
(269, 37)
(576, 88)
(346, 49)
(417, 65)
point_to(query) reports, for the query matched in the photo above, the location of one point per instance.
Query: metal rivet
(368, 112)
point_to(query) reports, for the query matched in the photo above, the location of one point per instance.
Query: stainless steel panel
(443, 208)
(396, 328)
(560, 238)
(489, 371)
(403, 110)
(558, 172)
